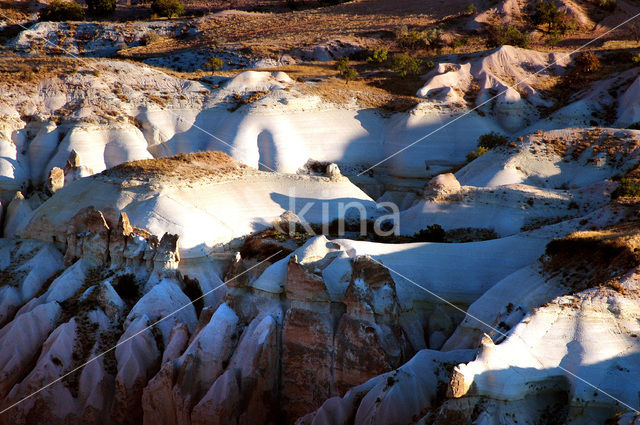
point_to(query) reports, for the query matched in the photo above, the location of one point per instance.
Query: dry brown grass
(187, 167)
(17, 70)
(616, 148)
(595, 258)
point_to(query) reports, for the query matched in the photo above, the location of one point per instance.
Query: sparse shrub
(342, 63)
(168, 8)
(547, 12)
(499, 35)
(476, 153)
(433, 233)
(349, 74)
(566, 23)
(101, 7)
(405, 65)
(433, 38)
(492, 140)
(636, 58)
(346, 72)
(586, 62)
(554, 39)
(627, 188)
(412, 40)
(428, 66)
(215, 64)
(59, 10)
(378, 56)
(634, 126)
(609, 5)
(471, 9)
(149, 38)
(459, 42)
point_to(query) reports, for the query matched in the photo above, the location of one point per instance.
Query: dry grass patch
(187, 167)
(16, 71)
(616, 148)
(594, 258)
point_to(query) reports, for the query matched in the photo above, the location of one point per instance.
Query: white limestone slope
(458, 273)
(583, 345)
(206, 212)
(567, 158)
(126, 111)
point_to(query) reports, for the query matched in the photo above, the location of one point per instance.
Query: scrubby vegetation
(499, 35)
(627, 188)
(586, 62)
(150, 38)
(594, 258)
(471, 9)
(414, 40)
(492, 140)
(168, 8)
(585, 66)
(405, 65)
(609, 5)
(60, 10)
(101, 7)
(433, 233)
(547, 13)
(378, 56)
(476, 153)
(215, 63)
(346, 71)
(634, 126)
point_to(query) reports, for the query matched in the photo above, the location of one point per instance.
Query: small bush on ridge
(101, 7)
(476, 153)
(627, 188)
(215, 64)
(433, 233)
(609, 5)
(346, 72)
(59, 10)
(378, 56)
(492, 140)
(499, 35)
(168, 8)
(586, 63)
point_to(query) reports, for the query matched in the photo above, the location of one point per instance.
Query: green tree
(405, 65)
(378, 56)
(547, 12)
(342, 63)
(215, 64)
(349, 74)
